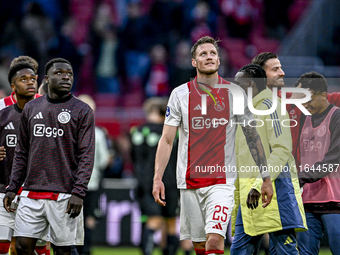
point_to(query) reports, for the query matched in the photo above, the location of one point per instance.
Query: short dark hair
(262, 58)
(255, 71)
(203, 40)
(17, 67)
(313, 81)
(26, 59)
(55, 60)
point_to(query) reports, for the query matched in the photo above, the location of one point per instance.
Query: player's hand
(74, 206)
(266, 191)
(253, 199)
(2, 153)
(159, 189)
(9, 197)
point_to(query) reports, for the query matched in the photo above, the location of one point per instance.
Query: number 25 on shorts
(220, 213)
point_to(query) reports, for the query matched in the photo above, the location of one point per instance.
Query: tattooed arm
(256, 149)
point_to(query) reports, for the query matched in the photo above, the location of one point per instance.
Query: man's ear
(193, 62)
(13, 87)
(324, 95)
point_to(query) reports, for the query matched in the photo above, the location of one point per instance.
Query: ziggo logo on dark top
(42, 130)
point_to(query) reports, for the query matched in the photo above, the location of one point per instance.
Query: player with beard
(207, 197)
(53, 160)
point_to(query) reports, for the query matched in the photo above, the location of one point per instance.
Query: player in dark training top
(23, 82)
(53, 161)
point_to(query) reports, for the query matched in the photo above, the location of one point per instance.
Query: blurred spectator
(145, 140)
(276, 17)
(225, 70)
(204, 21)
(116, 166)
(5, 88)
(105, 44)
(239, 17)
(64, 47)
(39, 30)
(181, 68)
(101, 161)
(137, 37)
(167, 17)
(158, 78)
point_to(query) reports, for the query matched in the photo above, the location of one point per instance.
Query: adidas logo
(288, 241)
(198, 107)
(10, 126)
(38, 116)
(218, 226)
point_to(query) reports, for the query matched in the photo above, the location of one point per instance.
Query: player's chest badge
(64, 117)
(218, 106)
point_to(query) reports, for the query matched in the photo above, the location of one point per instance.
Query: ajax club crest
(64, 117)
(218, 106)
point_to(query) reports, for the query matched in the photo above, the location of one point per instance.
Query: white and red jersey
(7, 101)
(206, 151)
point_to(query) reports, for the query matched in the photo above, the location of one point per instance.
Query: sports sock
(172, 245)
(41, 250)
(214, 252)
(200, 251)
(147, 241)
(4, 248)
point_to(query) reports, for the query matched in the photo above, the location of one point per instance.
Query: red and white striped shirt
(7, 101)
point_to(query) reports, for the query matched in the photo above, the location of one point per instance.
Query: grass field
(136, 251)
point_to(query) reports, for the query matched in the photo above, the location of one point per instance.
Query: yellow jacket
(286, 208)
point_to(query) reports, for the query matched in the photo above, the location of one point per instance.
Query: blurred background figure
(101, 161)
(181, 68)
(105, 45)
(155, 217)
(158, 76)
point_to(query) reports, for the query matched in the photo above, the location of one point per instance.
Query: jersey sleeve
(173, 114)
(20, 160)
(86, 150)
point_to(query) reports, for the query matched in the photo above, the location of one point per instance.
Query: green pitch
(136, 251)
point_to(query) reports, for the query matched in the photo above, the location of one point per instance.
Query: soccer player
(144, 140)
(206, 142)
(12, 99)
(285, 215)
(53, 161)
(272, 66)
(319, 176)
(22, 78)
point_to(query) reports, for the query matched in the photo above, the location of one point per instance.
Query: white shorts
(206, 210)
(46, 219)
(6, 221)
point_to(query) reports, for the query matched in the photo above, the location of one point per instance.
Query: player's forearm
(256, 149)
(162, 157)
